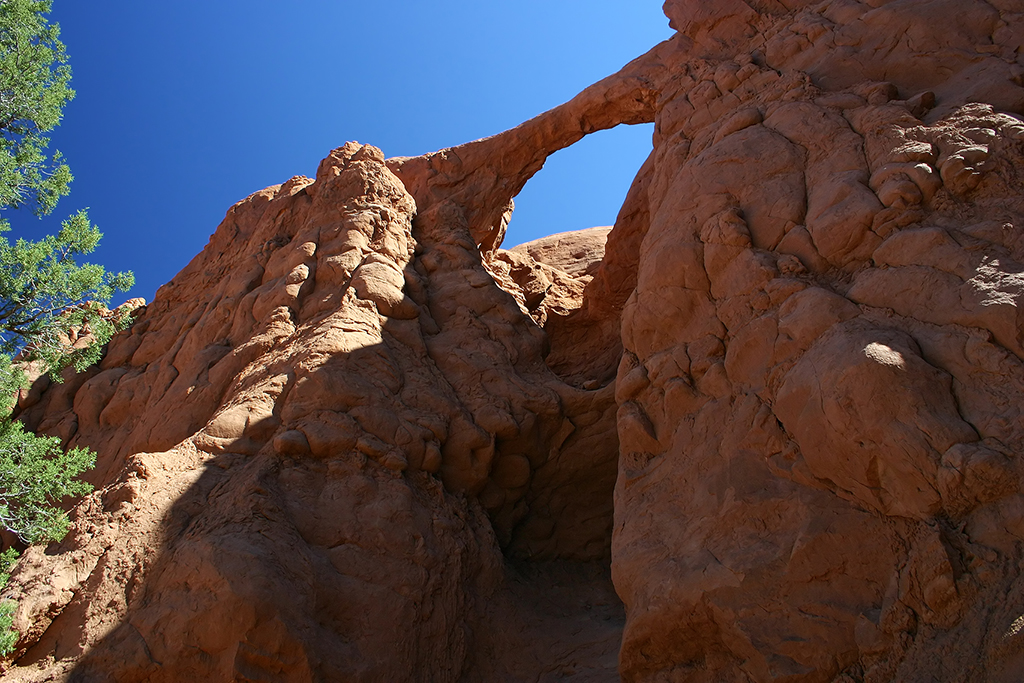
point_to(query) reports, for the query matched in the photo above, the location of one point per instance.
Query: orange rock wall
(820, 396)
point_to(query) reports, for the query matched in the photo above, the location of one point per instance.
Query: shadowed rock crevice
(570, 285)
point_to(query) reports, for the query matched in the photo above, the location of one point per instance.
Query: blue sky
(184, 108)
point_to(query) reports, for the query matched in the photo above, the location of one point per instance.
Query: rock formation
(356, 440)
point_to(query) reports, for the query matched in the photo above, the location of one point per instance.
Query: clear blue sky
(185, 107)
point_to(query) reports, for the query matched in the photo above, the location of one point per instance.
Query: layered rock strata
(356, 440)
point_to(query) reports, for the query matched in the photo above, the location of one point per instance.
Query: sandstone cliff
(780, 410)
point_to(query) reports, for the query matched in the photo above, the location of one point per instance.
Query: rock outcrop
(780, 408)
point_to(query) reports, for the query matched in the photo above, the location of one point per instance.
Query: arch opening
(581, 186)
(560, 268)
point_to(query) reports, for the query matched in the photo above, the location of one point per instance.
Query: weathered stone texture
(782, 399)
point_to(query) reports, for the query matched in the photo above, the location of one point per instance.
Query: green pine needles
(45, 295)
(34, 78)
(34, 472)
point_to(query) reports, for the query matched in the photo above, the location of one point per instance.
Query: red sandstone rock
(356, 440)
(577, 253)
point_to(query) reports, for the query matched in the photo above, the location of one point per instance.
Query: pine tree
(44, 292)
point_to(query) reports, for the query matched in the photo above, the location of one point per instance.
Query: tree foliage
(34, 87)
(35, 472)
(44, 293)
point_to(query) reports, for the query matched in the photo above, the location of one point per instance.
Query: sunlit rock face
(820, 395)
(778, 404)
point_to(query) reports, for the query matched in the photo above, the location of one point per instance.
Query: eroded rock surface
(819, 402)
(356, 440)
(324, 427)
